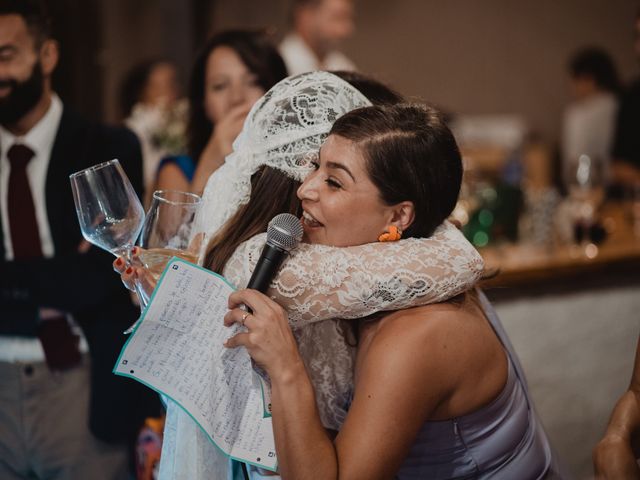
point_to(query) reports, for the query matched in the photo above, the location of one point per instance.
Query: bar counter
(574, 322)
(524, 268)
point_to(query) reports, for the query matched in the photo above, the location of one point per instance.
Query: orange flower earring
(391, 234)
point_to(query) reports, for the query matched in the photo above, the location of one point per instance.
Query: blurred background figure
(233, 70)
(318, 28)
(589, 120)
(626, 150)
(63, 414)
(586, 139)
(151, 105)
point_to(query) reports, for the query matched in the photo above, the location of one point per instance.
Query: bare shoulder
(427, 338)
(451, 344)
(443, 325)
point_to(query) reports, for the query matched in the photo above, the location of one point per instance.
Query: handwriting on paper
(177, 350)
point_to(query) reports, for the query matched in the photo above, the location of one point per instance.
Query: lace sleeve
(319, 282)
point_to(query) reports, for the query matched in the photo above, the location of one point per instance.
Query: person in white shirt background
(589, 120)
(318, 28)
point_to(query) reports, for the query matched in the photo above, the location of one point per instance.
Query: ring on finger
(244, 317)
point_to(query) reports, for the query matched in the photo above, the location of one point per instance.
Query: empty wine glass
(109, 210)
(166, 232)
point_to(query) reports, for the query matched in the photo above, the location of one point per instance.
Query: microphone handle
(268, 264)
(270, 260)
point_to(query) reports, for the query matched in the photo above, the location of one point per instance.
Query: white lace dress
(317, 285)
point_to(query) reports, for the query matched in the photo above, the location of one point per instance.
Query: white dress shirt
(299, 58)
(40, 139)
(588, 128)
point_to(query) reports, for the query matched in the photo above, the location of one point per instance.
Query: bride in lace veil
(275, 151)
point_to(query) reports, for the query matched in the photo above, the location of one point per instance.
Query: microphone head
(284, 231)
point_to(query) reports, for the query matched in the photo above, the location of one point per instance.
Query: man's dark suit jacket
(82, 284)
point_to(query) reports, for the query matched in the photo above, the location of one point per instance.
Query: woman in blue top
(234, 69)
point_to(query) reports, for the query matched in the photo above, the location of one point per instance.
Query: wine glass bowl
(109, 211)
(167, 229)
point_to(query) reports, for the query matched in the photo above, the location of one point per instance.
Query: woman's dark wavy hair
(376, 92)
(259, 55)
(410, 155)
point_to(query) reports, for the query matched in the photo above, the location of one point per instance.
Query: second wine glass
(166, 232)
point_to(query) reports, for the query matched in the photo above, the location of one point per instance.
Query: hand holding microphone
(268, 340)
(283, 235)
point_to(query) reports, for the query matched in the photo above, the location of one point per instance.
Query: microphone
(283, 235)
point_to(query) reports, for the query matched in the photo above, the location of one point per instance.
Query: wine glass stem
(140, 294)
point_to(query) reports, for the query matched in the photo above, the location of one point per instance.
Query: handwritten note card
(177, 350)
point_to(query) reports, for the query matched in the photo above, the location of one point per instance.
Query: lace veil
(283, 130)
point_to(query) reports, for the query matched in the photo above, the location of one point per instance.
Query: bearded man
(62, 413)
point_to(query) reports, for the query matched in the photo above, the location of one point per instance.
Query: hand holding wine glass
(109, 210)
(137, 275)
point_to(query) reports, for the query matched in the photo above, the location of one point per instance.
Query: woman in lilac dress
(438, 392)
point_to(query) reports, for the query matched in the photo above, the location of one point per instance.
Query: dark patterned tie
(59, 343)
(23, 225)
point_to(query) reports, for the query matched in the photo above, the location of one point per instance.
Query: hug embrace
(385, 360)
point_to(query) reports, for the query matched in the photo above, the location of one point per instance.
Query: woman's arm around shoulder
(319, 282)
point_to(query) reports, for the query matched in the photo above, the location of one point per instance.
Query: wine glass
(109, 210)
(166, 232)
(585, 181)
